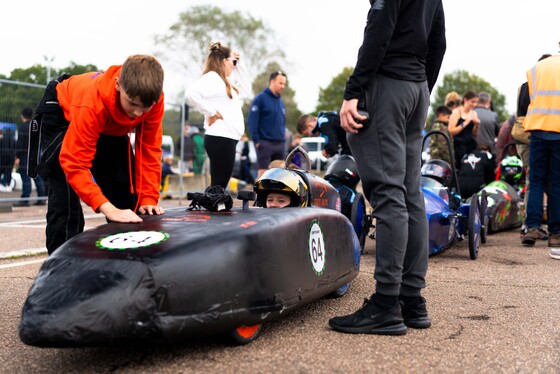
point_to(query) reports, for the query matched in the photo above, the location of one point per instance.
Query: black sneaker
(371, 319)
(22, 203)
(415, 314)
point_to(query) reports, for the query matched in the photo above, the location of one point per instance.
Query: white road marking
(24, 263)
(34, 223)
(23, 252)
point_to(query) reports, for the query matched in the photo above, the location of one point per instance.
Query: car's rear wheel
(340, 291)
(484, 216)
(474, 227)
(246, 334)
(359, 219)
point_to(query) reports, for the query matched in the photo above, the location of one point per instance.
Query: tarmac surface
(497, 314)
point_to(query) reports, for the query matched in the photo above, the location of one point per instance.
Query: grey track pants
(388, 155)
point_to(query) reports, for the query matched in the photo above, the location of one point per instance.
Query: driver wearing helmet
(511, 171)
(280, 188)
(438, 170)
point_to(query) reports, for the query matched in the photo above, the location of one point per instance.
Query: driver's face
(277, 200)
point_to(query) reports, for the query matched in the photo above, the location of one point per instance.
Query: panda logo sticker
(132, 240)
(317, 247)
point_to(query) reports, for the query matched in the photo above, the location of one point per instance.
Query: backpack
(518, 132)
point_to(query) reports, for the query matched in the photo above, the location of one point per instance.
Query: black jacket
(403, 39)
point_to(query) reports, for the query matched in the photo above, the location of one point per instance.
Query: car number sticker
(316, 247)
(132, 240)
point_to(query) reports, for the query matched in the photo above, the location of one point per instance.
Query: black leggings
(221, 152)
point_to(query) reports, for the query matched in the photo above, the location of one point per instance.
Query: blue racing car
(450, 219)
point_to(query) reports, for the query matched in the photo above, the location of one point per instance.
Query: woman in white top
(214, 96)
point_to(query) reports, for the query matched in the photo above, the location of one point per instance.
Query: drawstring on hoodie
(139, 157)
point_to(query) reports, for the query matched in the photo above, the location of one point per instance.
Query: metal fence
(14, 96)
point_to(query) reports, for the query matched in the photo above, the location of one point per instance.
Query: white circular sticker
(317, 247)
(132, 240)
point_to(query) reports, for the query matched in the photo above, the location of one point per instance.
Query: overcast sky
(497, 40)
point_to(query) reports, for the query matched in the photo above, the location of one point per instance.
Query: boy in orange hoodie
(80, 144)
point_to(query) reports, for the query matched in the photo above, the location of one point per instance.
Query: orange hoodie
(90, 104)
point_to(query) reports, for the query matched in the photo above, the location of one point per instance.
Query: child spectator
(439, 149)
(83, 145)
(166, 169)
(327, 125)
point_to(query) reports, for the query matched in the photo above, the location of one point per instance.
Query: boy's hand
(151, 209)
(115, 214)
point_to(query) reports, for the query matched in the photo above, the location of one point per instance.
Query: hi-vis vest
(544, 91)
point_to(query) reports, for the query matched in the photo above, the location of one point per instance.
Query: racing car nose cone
(83, 302)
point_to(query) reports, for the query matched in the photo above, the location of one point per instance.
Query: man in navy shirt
(267, 122)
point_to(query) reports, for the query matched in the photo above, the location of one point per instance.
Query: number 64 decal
(317, 247)
(131, 240)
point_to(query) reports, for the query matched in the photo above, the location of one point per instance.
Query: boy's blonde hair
(142, 76)
(277, 164)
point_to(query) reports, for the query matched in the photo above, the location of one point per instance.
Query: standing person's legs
(277, 151)
(6, 176)
(25, 180)
(415, 264)
(382, 152)
(539, 163)
(553, 201)
(523, 152)
(263, 156)
(221, 152)
(65, 218)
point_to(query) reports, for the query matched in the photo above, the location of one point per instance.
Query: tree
(461, 81)
(38, 74)
(188, 40)
(187, 43)
(26, 88)
(330, 97)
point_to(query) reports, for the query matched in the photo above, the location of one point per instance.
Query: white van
(314, 146)
(167, 146)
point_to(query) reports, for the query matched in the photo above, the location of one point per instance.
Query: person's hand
(235, 54)
(325, 154)
(214, 118)
(115, 214)
(349, 115)
(151, 210)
